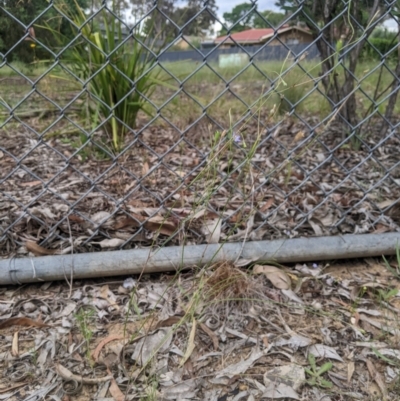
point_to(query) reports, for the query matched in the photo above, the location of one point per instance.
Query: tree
(185, 14)
(157, 25)
(206, 11)
(139, 9)
(242, 15)
(394, 86)
(116, 6)
(272, 17)
(332, 22)
(247, 16)
(202, 13)
(281, 4)
(25, 11)
(199, 13)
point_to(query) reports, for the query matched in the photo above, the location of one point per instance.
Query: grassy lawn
(250, 86)
(225, 94)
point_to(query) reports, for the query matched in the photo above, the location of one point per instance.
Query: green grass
(203, 88)
(29, 70)
(84, 319)
(205, 85)
(271, 69)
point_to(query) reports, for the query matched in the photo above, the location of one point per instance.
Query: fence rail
(103, 151)
(257, 53)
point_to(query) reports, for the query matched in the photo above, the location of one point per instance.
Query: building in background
(288, 35)
(186, 42)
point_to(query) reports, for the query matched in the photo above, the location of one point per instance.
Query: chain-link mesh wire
(288, 130)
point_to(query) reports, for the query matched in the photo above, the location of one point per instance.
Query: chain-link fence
(105, 143)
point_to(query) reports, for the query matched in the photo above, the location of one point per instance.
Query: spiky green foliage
(119, 73)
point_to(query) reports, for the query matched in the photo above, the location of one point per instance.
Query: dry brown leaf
(181, 174)
(190, 345)
(211, 224)
(100, 217)
(43, 212)
(76, 219)
(162, 225)
(212, 230)
(267, 205)
(278, 277)
(376, 376)
(125, 222)
(168, 322)
(316, 226)
(115, 391)
(350, 371)
(165, 226)
(372, 284)
(137, 203)
(106, 294)
(30, 183)
(211, 334)
(11, 388)
(38, 250)
(145, 168)
(21, 321)
(111, 242)
(386, 203)
(68, 375)
(15, 347)
(77, 357)
(297, 174)
(381, 228)
(300, 135)
(207, 214)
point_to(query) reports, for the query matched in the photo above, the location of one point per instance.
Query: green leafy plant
(387, 295)
(384, 358)
(150, 389)
(316, 373)
(383, 46)
(84, 318)
(291, 91)
(394, 271)
(120, 75)
(34, 353)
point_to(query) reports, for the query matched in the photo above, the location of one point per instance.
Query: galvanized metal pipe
(135, 261)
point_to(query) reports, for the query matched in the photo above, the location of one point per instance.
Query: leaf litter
(218, 333)
(221, 333)
(81, 202)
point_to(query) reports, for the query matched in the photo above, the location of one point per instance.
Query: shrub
(382, 45)
(118, 81)
(23, 13)
(384, 33)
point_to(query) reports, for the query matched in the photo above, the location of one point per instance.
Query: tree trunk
(395, 91)
(347, 93)
(341, 97)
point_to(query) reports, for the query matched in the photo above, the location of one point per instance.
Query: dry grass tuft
(228, 282)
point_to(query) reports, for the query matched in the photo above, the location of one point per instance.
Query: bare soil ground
(220, 333)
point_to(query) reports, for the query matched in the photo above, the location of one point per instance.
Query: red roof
(254, 35)
(251, 35)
